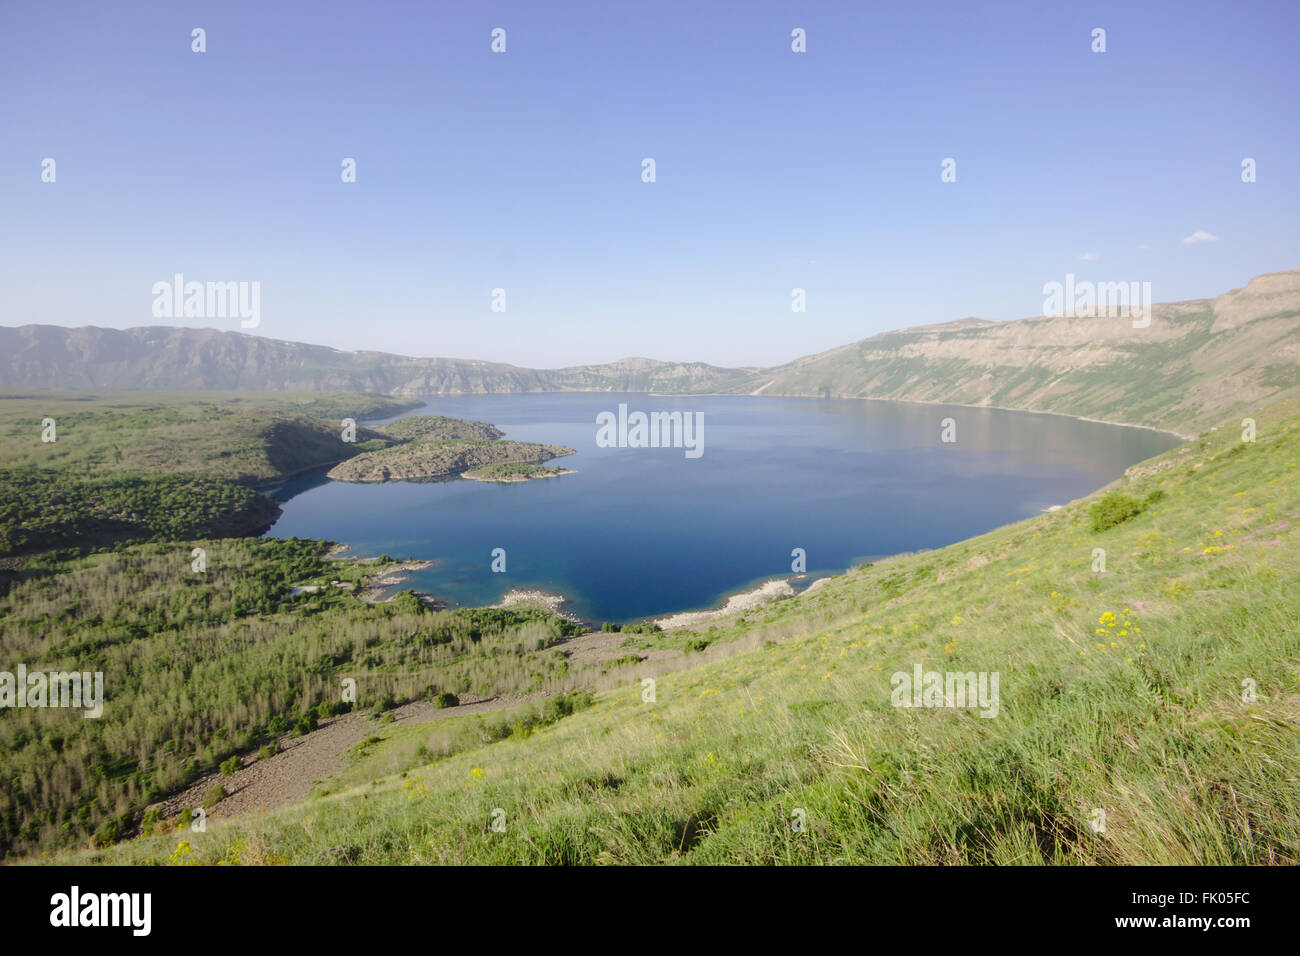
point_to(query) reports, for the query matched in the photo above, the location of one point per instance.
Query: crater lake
(643, 532)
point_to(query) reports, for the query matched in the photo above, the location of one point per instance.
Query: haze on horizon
(523, 170)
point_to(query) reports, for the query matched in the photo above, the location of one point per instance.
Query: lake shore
(551, 601)
(392, 575)
(745, 601)
(516, 479)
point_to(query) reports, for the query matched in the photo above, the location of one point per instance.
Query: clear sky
(522, 170)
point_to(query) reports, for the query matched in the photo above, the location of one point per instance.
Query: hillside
(237, 436)
(198, 667)
(1144, 713)
(132, 466)
(1197, 363)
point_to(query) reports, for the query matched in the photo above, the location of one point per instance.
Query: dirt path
(303, 761)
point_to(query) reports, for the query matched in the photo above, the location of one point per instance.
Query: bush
(230, 765)
(268, 751)
(306, 723)
(330, 708)
(214, 795)
(108, 834)
(1113, 509)
(556, 708)
(153, 821)
(623, 661)
(446, 700)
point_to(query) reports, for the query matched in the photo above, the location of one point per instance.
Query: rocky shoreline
(552, 602)
(541, 472)
(745, 601)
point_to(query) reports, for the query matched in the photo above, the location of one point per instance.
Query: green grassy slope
(1164, 692)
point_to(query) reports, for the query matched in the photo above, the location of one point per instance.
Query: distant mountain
(1195, 362)
(158, 357)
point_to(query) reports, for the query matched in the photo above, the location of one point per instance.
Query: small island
(432, 448)
(511, 471)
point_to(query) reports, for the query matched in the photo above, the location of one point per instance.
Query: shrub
(108, 834)
(1113, 509)
(230, 765)
(214, 795)
(153, 821)
(556, 708)
(306, 723)
(329, 708)
(446, 700)
(268, 751)
(622, 661)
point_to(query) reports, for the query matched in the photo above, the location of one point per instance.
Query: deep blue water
(645, 531)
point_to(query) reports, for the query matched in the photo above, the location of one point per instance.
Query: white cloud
(1200, 236)
(1089, 256)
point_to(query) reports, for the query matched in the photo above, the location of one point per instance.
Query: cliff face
(1196, 362)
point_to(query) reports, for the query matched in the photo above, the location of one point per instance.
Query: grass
(1163, 691)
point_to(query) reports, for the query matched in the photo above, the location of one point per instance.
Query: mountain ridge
(1197, 360)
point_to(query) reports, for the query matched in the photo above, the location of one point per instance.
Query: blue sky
(522, 170)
